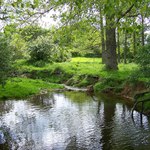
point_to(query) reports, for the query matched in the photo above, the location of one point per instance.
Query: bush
(61, 55)
(143, 59)
(43, 50)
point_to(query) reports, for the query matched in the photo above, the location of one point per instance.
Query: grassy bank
(23, 87)
(83, 72)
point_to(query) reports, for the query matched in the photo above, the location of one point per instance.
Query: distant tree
(32, 32)
(5, 59)
(143, 58)
(74, 11)
(16, 42)
(81, 39)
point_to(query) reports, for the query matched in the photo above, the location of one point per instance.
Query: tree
(32, 32)
(5, 59)
(76, 10)
(113, 12)
(142, 58)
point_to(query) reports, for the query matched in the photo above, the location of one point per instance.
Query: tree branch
(125, 13)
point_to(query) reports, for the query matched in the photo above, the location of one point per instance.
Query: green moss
(23, 87)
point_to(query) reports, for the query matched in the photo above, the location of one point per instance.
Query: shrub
(41, 49)
(61, 55)
(143, 59)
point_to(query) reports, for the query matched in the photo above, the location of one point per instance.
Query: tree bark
(143, 40)
(111, 56)
(102, 37)
(134, 43)
(125, 48)
(118, 46)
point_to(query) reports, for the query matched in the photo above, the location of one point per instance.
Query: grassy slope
(79, 69)
(23, 87)
(80, 72)
(82, 66)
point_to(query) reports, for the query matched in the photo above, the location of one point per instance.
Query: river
(74, 121)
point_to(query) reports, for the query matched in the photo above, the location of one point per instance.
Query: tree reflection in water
(5, 107)
(74, 120)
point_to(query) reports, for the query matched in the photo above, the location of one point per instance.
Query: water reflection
(74, 121)
(5, 107)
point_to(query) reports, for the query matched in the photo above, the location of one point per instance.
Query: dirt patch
(130, 90)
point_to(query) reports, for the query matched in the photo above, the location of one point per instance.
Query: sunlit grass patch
(88, 60)
(23, 87)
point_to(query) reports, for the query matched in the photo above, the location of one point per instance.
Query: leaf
(28, 4)
(36, 3)
(19, 1)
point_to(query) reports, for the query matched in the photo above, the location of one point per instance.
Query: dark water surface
(74, 121)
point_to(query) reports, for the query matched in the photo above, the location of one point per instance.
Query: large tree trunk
(111, 56)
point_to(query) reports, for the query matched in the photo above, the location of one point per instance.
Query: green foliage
(108, 83)
(42, 50)
(5, 59)
(17, 43)
(80, 39)
(23, 87)
(61, 54)
(18, 46)
(143, 59)
(32, 32)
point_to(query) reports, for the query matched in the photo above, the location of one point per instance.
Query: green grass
(79, 68)
(82, 66)
(86, 60)
(23, 87)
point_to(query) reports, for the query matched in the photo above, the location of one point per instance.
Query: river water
(74, 121)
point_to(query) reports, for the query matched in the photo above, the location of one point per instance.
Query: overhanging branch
(125, 13)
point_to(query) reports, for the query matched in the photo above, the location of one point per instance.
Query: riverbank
(20, 88)
(90, 73)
